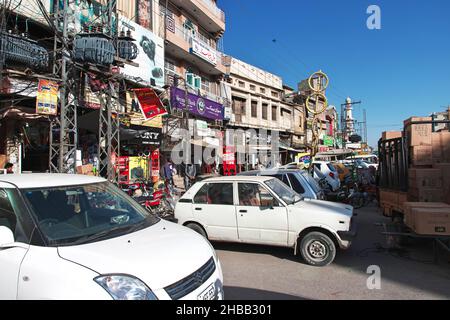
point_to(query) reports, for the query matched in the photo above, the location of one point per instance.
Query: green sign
(328, 141)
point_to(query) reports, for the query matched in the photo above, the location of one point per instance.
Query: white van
(264, 210)
(70, 237)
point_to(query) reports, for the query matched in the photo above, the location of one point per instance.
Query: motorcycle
(160, 202)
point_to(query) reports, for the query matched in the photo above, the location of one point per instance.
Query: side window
(220, 193)
(296, 184)
(215, 193)
(202, 195)
(250, 195)
(7, 215)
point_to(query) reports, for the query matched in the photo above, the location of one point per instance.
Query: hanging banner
(151, 105)
(134, 114)
(47, 98)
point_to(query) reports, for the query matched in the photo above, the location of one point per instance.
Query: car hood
(159, 255)
(326, 207)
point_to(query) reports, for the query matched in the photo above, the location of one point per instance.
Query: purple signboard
(197, 105)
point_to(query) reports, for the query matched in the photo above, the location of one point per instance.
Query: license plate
(208, 294)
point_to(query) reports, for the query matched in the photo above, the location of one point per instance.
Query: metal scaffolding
(63, 130)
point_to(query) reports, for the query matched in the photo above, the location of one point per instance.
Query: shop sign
(196, 105)
(137, 135)
(202, 128)
(150, 58)
(150, 104)
(328, 141)
(203, 51)
(47, 97)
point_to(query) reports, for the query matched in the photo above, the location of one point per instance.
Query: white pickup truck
(263, 210)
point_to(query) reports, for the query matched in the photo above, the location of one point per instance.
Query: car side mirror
(6, 236)
(267, 200)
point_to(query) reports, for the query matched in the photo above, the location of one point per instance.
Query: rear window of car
(331, 167)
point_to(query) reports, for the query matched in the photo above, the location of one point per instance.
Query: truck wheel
(317, 249)
(198, 229)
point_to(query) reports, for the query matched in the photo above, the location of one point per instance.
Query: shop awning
(285, 147)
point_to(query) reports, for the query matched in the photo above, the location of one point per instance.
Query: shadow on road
(412, 266)
(237, 293)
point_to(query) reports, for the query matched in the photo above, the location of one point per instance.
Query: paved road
(262, 273)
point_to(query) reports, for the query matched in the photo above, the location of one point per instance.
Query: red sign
(155, 165)
(151, 105)
(229, 161)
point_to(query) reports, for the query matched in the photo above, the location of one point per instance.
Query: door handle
(198, 209)
(243, 211)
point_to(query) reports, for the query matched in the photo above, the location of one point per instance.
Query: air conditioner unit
(197, 82)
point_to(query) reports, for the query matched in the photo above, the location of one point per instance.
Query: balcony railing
(214, 9)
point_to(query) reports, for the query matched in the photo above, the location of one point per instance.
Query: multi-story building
(193, 30)
(259, 102)
(257, 99)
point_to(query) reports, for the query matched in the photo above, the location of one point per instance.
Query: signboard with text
(203, 51)
(47, 98)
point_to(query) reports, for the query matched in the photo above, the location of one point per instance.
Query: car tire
(317, 249)
(195, 227)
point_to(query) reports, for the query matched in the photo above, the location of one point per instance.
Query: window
(283, 177)
(252, 87)
(241, 84)
(205, 85)
(253, 195)
(72, 214)
(216, 194)
(262, 90)
(296, 184)
(202, 195)
(254, 109)
(238, 106)
(7, 215)
(331, 167)
(264, 110)
(274, 113)
(275, 94)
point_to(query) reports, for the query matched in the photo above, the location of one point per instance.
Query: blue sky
(399, 71)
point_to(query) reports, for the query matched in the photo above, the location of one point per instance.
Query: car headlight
(124, 287)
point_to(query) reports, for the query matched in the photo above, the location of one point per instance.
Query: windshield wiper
(95, 236)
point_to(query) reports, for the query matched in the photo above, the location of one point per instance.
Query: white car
(71, 237)
(263, 210)
(330, 172)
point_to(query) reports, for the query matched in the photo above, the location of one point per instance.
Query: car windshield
(313, 183)
(283, 191)
(81, 214)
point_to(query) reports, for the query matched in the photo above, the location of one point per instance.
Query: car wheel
(317, 249)
(198, 229)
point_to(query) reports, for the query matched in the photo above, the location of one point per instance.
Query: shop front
(24, 139)
(140, 154)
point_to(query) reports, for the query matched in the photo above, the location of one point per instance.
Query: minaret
(349, 118)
